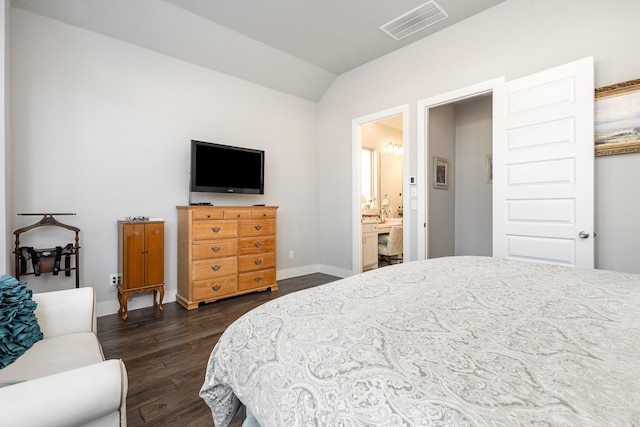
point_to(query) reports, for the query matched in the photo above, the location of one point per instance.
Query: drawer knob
(257, 262)
(257, 279)
(258, 227)
(264, 214)
(215, 288)
(257, 244)
(238, 215)
(215, 248)
(215, 268)
(208, 215)
(215, 229)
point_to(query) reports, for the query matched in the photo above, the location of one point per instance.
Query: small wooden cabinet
(225, 251)
(140, 261)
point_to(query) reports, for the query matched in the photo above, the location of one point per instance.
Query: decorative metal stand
(35, 261)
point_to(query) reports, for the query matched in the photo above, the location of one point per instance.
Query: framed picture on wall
(617, 118)
(440, 173)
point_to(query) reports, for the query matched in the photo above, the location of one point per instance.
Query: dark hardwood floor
(166, 353)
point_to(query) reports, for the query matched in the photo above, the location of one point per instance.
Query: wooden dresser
(225, 251)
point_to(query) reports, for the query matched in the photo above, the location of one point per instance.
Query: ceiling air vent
(415, 20)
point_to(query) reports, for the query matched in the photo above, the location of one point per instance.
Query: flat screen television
(218, 168)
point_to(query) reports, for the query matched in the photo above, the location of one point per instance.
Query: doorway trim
(356, 137)
(422, 149)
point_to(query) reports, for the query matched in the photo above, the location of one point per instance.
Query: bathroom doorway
(379, 157)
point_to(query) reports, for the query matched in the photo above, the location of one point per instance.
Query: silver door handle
(583, 235)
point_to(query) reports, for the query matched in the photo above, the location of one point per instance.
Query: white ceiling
(295, 46)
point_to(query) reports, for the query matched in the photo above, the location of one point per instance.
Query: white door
(543, 160)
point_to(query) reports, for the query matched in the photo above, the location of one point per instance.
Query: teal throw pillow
(19, 328)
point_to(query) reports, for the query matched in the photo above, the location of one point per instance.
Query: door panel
(543, 159)
(155, 253)
(134, 261)
(550, 249)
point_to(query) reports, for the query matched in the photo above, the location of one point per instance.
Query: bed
(458, 341)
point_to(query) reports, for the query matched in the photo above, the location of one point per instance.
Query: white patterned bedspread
(461, 341)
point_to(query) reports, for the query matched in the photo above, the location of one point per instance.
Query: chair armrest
(70, 398)
(66, 312)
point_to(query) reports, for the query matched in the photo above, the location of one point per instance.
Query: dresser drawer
(256, 245)
(214, 288)
(256, 279)
(263, 213)
(207, 214)
(236, 213)
(207, 230)
(214, 249)
(217, 267)
(257, 227)
(370, 227)
(256, 262)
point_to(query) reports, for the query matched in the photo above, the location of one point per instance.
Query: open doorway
(460, 190)
(379, 214)
(455, 134)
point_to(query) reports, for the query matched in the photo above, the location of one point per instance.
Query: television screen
(221, 168)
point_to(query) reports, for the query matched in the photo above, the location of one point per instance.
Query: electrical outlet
(113, 279)
(290, 254)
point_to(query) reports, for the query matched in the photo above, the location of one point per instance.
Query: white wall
(512, 39)
(102, 128)
(442, 202)
(5, 8)
(473, 221)
(617, 212)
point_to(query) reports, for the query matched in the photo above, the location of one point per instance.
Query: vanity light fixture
(393, 148)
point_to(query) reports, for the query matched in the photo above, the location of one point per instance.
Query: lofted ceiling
(294, 46)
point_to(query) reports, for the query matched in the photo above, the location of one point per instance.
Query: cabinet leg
(123, 298)
(123, 304)
(160, 298)
(119, 302)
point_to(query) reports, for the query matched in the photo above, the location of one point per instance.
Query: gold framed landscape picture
(617, 118)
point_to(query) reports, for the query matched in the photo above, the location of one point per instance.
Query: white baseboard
(310, 269)
(334, 271)
(296, 272)
(146, 300)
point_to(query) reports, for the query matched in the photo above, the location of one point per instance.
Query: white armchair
(391, 247)
(63, 380)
